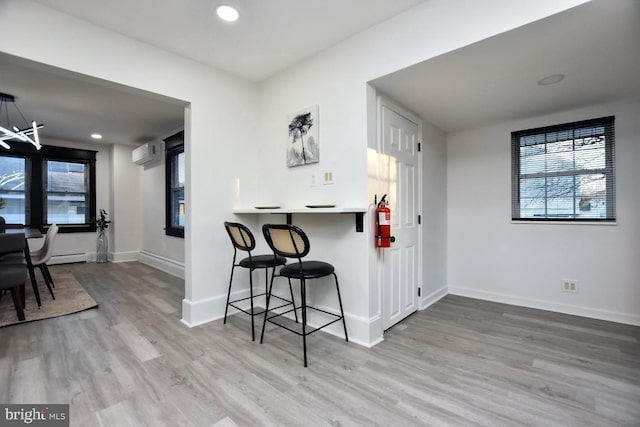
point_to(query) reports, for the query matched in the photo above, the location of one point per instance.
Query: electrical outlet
(570, 285)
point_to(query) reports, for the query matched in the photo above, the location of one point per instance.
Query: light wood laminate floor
(461, 362)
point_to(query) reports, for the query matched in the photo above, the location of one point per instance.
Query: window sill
(63, 228)
(552, 222)
(174, 232)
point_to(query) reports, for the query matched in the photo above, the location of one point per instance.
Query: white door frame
(384, 101)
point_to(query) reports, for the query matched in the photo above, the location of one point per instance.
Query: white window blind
(564, 172)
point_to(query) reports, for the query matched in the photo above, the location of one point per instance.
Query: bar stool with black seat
(243, 240)
(290, 241)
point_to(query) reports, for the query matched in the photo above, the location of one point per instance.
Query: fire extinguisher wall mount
(383, 237)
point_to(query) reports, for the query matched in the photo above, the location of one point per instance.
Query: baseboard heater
(69, 258)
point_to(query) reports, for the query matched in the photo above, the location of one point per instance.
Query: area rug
(70, 298)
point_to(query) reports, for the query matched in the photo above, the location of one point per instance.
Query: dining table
(29, 233)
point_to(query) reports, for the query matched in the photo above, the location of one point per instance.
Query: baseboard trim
(359, 328)
(594, 313)
(175, 268)
(433, 298)
(196, 313)
(123, 256)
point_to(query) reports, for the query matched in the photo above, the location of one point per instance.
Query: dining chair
(41, 253)
(244, 241)
(20, 257)
(41, 257)
(13, 275)
(289, 241)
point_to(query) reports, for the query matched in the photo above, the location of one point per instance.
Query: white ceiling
(270, 35)
(72, 106)
(595, 45)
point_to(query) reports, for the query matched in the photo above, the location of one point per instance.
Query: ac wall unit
(146, 153)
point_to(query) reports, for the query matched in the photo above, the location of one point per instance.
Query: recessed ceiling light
(96, 136)
(227, 13)
(550, 80)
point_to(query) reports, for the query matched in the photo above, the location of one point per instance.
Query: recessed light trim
(96, 136)
(227, 13)
(551, 80)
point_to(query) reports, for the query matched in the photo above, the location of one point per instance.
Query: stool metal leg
(226, 307)
(253, 331)
(304, 320)
(293, 301)
(266, 309)
(344, 324)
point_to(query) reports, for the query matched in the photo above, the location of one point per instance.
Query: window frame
(46, 193)
(173, 146)
(36, 194)
(609, 170)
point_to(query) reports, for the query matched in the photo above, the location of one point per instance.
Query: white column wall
(434, 215)
(126, 207)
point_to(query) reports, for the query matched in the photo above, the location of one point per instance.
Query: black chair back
(12, 243)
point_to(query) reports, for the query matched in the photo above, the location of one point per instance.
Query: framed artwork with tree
(303, 141)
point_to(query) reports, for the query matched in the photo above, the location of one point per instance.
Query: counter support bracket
(359, 222)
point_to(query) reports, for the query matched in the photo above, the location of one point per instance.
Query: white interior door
(400, 171)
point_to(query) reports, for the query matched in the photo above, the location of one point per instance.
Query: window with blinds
(564, 172)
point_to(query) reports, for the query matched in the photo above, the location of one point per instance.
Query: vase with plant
(102, 245)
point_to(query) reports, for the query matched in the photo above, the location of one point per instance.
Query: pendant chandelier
(10, 131)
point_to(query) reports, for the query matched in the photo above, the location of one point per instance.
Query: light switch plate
(328, 177)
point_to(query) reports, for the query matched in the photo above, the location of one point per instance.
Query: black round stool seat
(262, 261)
(310, 270)
(13, 275)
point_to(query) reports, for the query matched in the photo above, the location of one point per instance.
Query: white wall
(490, 257)
(336, 80)
(158, 249)
(434, 215)
(68, 245)
(234, 131)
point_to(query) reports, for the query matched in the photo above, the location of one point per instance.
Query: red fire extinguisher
(383, 237)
